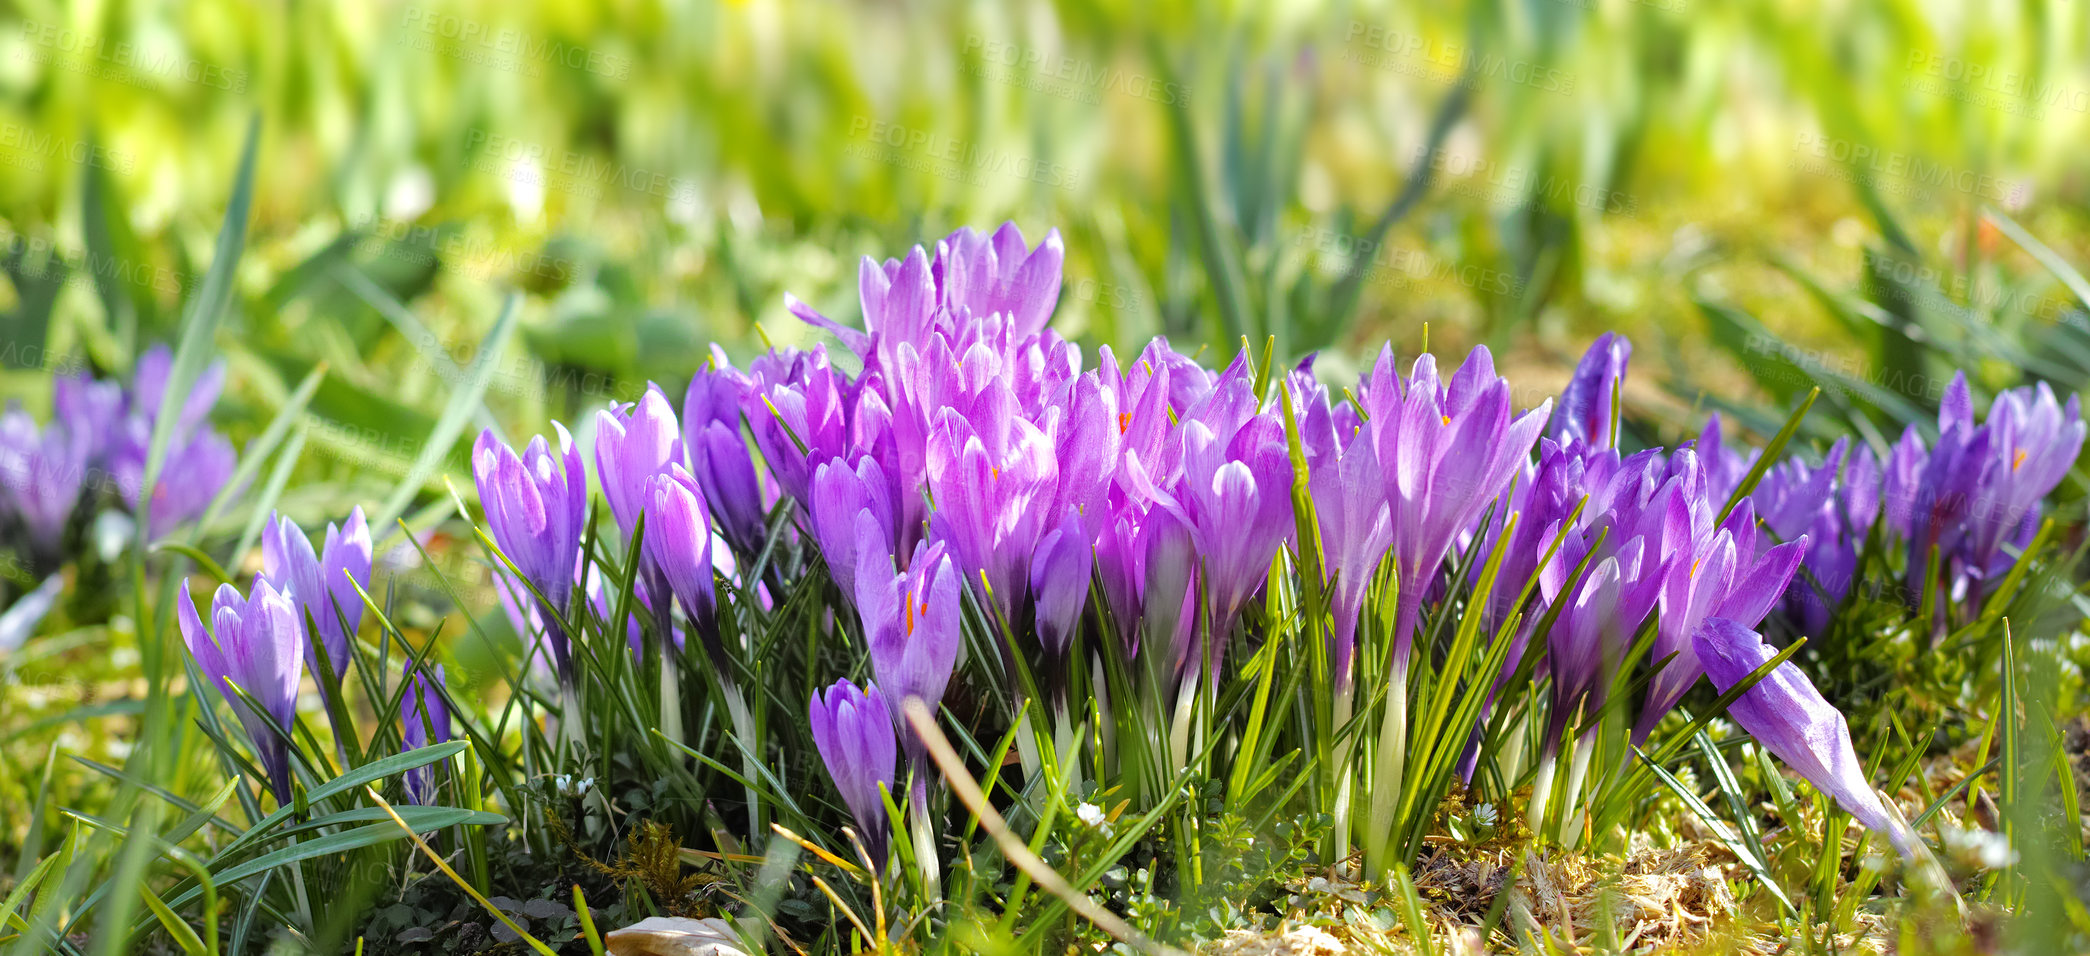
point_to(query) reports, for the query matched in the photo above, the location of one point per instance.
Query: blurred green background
(1767, 196)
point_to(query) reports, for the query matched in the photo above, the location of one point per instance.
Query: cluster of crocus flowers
(976, 435)
(977, 476)
(1965, 503)
(304, 599)
(98, 440)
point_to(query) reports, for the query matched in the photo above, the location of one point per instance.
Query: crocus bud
(842, 497)
(1584, 413)
(631, 446)
(854, 732)
(678, 541)
(719, 456)
(1059, 582)
(535, 505)
(424, 719)
(321, 583)
(253, 642)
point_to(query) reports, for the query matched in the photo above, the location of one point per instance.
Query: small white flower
(568, 785)
(1984, 848)
(1091, 814)
(1485, 814)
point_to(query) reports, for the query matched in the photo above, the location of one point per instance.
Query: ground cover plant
(950, 635)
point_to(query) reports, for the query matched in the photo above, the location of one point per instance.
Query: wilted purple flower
(535, 505)
(1584, 413)
(1059, 582)
(1447, 453)
(854, 732)
(253, 642)
(1788, 717)
(718, 455)
(911, 622)
(322, 584)
(424, 720)
(679, 542)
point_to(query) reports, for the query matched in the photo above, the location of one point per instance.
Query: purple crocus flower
(149, 387)
(1233, 495)
(854, 732)
(1834, 538)
(1121, 567)
(1793, 493)
(1724, 467)
(195, 470)
(1000, 275)
(974, 278)
(1585, 644)
(795, 409)
(89, 407)
(1723, 576)
(1169, 590)
(679, 543)
(1356, 530)
(1447, 452)
(841, 497)
(42, 472)
(1900, 480)
(1787, 715)
(424, 720)
(718, 455)
(2037, 442)
(1584, 414)
(203, 459)
(1059, 582)
(911, 622)
(993, 481)
(535, 505)
(632, 444)
(253, 641)
(324, 583)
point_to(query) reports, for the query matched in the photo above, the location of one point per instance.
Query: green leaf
(200, 325)
(464, 402)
